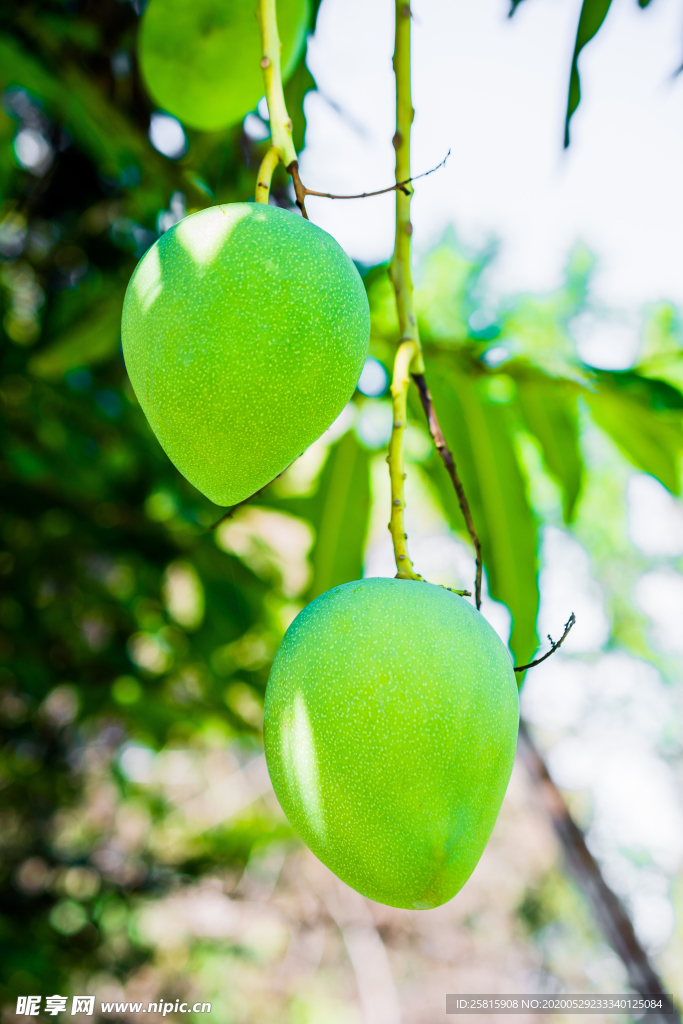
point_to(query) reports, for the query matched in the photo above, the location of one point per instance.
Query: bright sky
(494, 91)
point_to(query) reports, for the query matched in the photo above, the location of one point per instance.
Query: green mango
(200, 59)
(391, 722)
(245, 330)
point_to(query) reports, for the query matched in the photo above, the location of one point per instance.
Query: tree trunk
(606, 907)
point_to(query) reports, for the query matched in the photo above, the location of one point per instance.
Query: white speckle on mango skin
(245, 330)
(408, 736)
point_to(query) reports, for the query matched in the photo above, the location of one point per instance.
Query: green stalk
(400, 268)
(409, 354)
(282, 149)
(399, 391)
(265, 175)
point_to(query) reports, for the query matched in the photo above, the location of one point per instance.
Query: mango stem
(265, 175)
(399, 390)
(282, 148)
(409, 354)
(400, 269)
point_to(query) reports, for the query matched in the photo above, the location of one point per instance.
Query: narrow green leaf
(199, 184)
(342, 521)
(593, 13)
(654, 393)
(339, 513)
(549, 411)
(653, 441)
(92, 340)
(479, 434)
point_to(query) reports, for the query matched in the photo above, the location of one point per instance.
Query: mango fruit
(391, 720)
(200, 59)
(245, 329)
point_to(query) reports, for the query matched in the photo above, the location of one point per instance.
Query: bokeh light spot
(374, 379)
(167, 135)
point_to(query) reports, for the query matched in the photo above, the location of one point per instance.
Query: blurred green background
(143, 853)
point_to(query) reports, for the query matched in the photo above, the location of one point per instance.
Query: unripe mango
(200, 59)
(245, 330)
(391, 722)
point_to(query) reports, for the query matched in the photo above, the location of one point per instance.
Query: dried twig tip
(571, 621)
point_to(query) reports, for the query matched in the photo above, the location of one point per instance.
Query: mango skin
(391, 722)
(200, 59)
(245, 330)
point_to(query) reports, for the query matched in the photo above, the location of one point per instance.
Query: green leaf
(479, 434)
(652, 392)
(383, 318)
(94, 339)
(653, 441)
(662, 355)
(593, 13)
(341, 516)
(339, 513)
(549, 411)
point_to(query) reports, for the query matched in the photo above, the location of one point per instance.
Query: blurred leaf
(7, 163)
(479, 434)
(383, 318)
(199, 184)
(662, 355)
(341, 516)
(94, 339)
(549, 411)
(653, 441)
(652, 392)
(296, 89)
(535, 327)
(593, 13)
(339, 513)
(315, 7)
(53, 29)
(445, 282)
(96, 125)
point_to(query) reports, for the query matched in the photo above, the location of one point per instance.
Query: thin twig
(299, 189)
(400, 186)
(449, 462)
(605, 905)
(571, 621)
